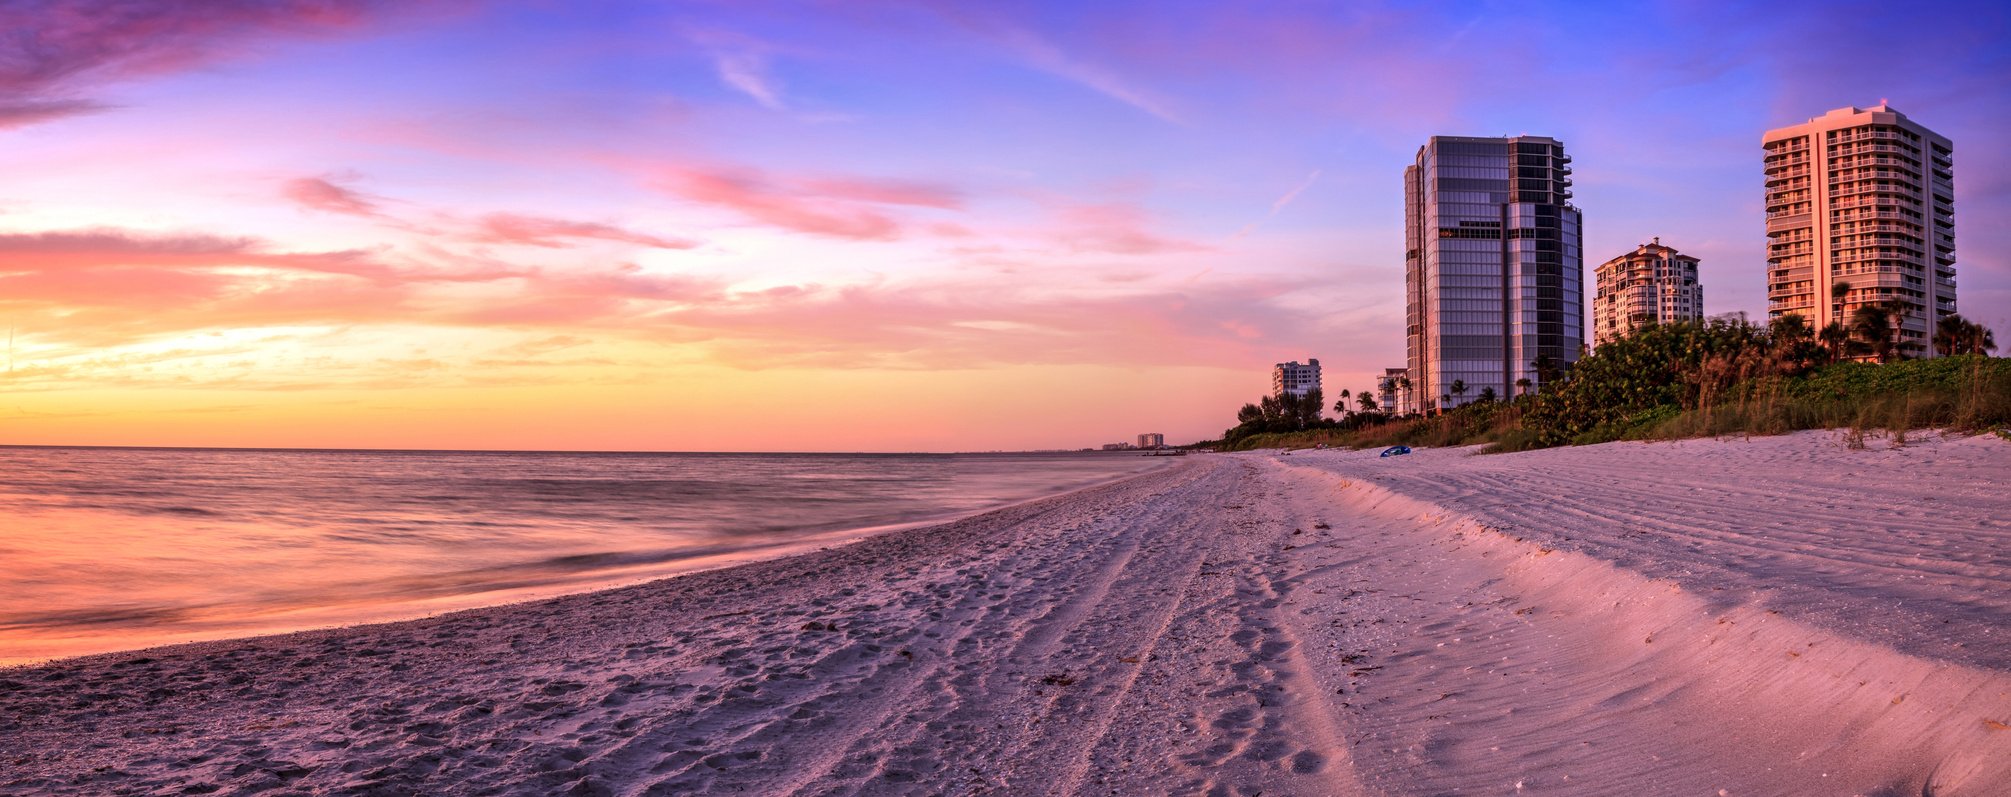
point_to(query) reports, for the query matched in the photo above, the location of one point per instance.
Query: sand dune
(1772, 616)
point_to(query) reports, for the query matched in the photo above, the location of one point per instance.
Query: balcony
(1868, 199)
(1788, 221)
(1873, 146)
(1869, 135)
(1855, 174)
(1860, 228)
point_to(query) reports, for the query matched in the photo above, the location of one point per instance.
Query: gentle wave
(108, 549)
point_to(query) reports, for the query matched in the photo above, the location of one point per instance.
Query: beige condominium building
(1294, 378)
(1650, 285)
(1861, 210)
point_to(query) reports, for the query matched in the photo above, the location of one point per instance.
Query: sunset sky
(848, 225)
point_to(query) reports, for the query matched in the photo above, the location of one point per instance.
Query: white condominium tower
(1650, 285)
(1861, 210)
(1494, 270)
(1294, 378)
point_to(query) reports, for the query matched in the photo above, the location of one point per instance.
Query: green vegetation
(1701, 379)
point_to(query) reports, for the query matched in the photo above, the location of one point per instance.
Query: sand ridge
(1316, 624)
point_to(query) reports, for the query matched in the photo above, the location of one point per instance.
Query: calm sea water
(109, 549)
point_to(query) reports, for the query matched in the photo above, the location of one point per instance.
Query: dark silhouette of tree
(1836, 340)
(1547, 369)
(1957, 335)
(1522, 386)
(1486, 394)
(1871, 325)
(1367, 400)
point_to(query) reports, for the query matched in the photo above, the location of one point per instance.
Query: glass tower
(1494, 270)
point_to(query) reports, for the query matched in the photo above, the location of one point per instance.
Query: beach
(1771, 615)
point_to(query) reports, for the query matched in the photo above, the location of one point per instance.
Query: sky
(848, 226)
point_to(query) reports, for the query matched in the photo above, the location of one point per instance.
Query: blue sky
(1047, 224)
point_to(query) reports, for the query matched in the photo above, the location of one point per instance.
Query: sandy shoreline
(1778, 615)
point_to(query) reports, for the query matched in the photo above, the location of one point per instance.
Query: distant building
(1650, 285)
(1861, 210)
(1393, 391)
(1294, 378)
(1119, 447)
(1152, 440)
(1493, 267)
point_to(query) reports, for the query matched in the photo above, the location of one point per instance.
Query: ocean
(105, 549)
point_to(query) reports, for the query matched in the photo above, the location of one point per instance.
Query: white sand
(1766, 617)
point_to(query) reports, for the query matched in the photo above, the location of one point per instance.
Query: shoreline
(1320, 624)
(695, 561)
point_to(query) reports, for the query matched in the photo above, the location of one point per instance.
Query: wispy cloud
(1039, 53)
(54, 50)
(743, 64)
(1280, 203)
(24, 112)
(747, 72)
(1045, 56)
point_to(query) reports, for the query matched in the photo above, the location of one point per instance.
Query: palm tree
(1486, 394)
(1837, 290)
(1836, 338)
(1957, 335)
(1522, 386)
(1547, 368)
(1458, 387)
(1341, 406)
(1872, 325)
(1899, 309)
(1367, 401)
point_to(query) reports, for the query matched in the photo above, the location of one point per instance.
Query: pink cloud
(107, 285)
(57, 48)
(319, 194)
(131, 288)
(509, 228)
(755, 197)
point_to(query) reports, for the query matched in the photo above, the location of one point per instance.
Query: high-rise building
(1152, 440)
(1294, 378)
(1650, 285)
(1494, 269)
(1861, 211)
